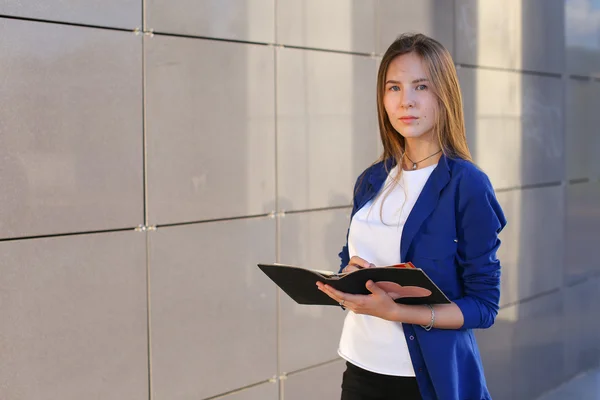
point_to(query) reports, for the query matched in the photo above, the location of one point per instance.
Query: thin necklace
(418, 162)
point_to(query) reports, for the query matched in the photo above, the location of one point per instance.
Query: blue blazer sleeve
(358, 190)
(479, 221)
(344, 255)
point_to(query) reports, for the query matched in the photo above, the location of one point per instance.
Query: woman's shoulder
(469, 176)
(372, 168)
(376, 171)
(475, 193)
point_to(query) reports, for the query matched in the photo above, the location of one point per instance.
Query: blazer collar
(425, 204)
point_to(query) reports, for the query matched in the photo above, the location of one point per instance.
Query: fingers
(336, 294)
(361, 263)
(373, 288)
(350, 268)
(378, 304)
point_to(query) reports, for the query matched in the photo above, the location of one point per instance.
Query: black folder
(300, 283)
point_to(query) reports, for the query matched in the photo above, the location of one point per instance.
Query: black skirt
(360, 384)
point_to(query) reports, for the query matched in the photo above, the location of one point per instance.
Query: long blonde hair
(450, 123)
(449, 126)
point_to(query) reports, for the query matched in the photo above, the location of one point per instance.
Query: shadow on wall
(15, 196)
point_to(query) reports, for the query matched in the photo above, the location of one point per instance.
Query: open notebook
(403, 282)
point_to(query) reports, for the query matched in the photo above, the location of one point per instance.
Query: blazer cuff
(472, 314)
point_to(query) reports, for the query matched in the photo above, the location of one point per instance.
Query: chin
(415, 134)
(407, 134)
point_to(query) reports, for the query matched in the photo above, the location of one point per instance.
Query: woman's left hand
(378, 303)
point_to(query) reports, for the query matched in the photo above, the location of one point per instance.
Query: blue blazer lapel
(375, 180)
(425, 204)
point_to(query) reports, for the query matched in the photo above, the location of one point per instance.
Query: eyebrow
(419, 80)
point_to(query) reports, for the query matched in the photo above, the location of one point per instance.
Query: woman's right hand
(357, 263)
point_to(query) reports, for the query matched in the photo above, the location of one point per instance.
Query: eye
(421, 87)
(394, 88)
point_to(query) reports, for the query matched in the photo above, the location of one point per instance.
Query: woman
(424, 202)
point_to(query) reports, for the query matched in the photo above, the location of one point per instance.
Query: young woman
(424, 202)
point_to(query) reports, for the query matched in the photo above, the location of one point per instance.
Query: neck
(417, 151)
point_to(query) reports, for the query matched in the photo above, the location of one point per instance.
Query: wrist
(431, 321)
(411, 314)
(398, 313)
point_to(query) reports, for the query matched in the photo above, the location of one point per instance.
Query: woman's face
(409, 101)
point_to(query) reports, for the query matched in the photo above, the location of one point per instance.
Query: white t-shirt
(368, 342)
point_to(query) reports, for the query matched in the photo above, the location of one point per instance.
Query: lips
(408, 119)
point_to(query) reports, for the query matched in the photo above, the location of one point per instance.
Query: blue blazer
(452, 234)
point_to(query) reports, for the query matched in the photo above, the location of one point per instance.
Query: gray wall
(151, 153)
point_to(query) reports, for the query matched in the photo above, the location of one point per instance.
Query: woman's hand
(357, 263)
(378, 303)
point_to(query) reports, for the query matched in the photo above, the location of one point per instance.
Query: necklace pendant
(414, 166)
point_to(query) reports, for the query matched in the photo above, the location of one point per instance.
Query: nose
(407, 100)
